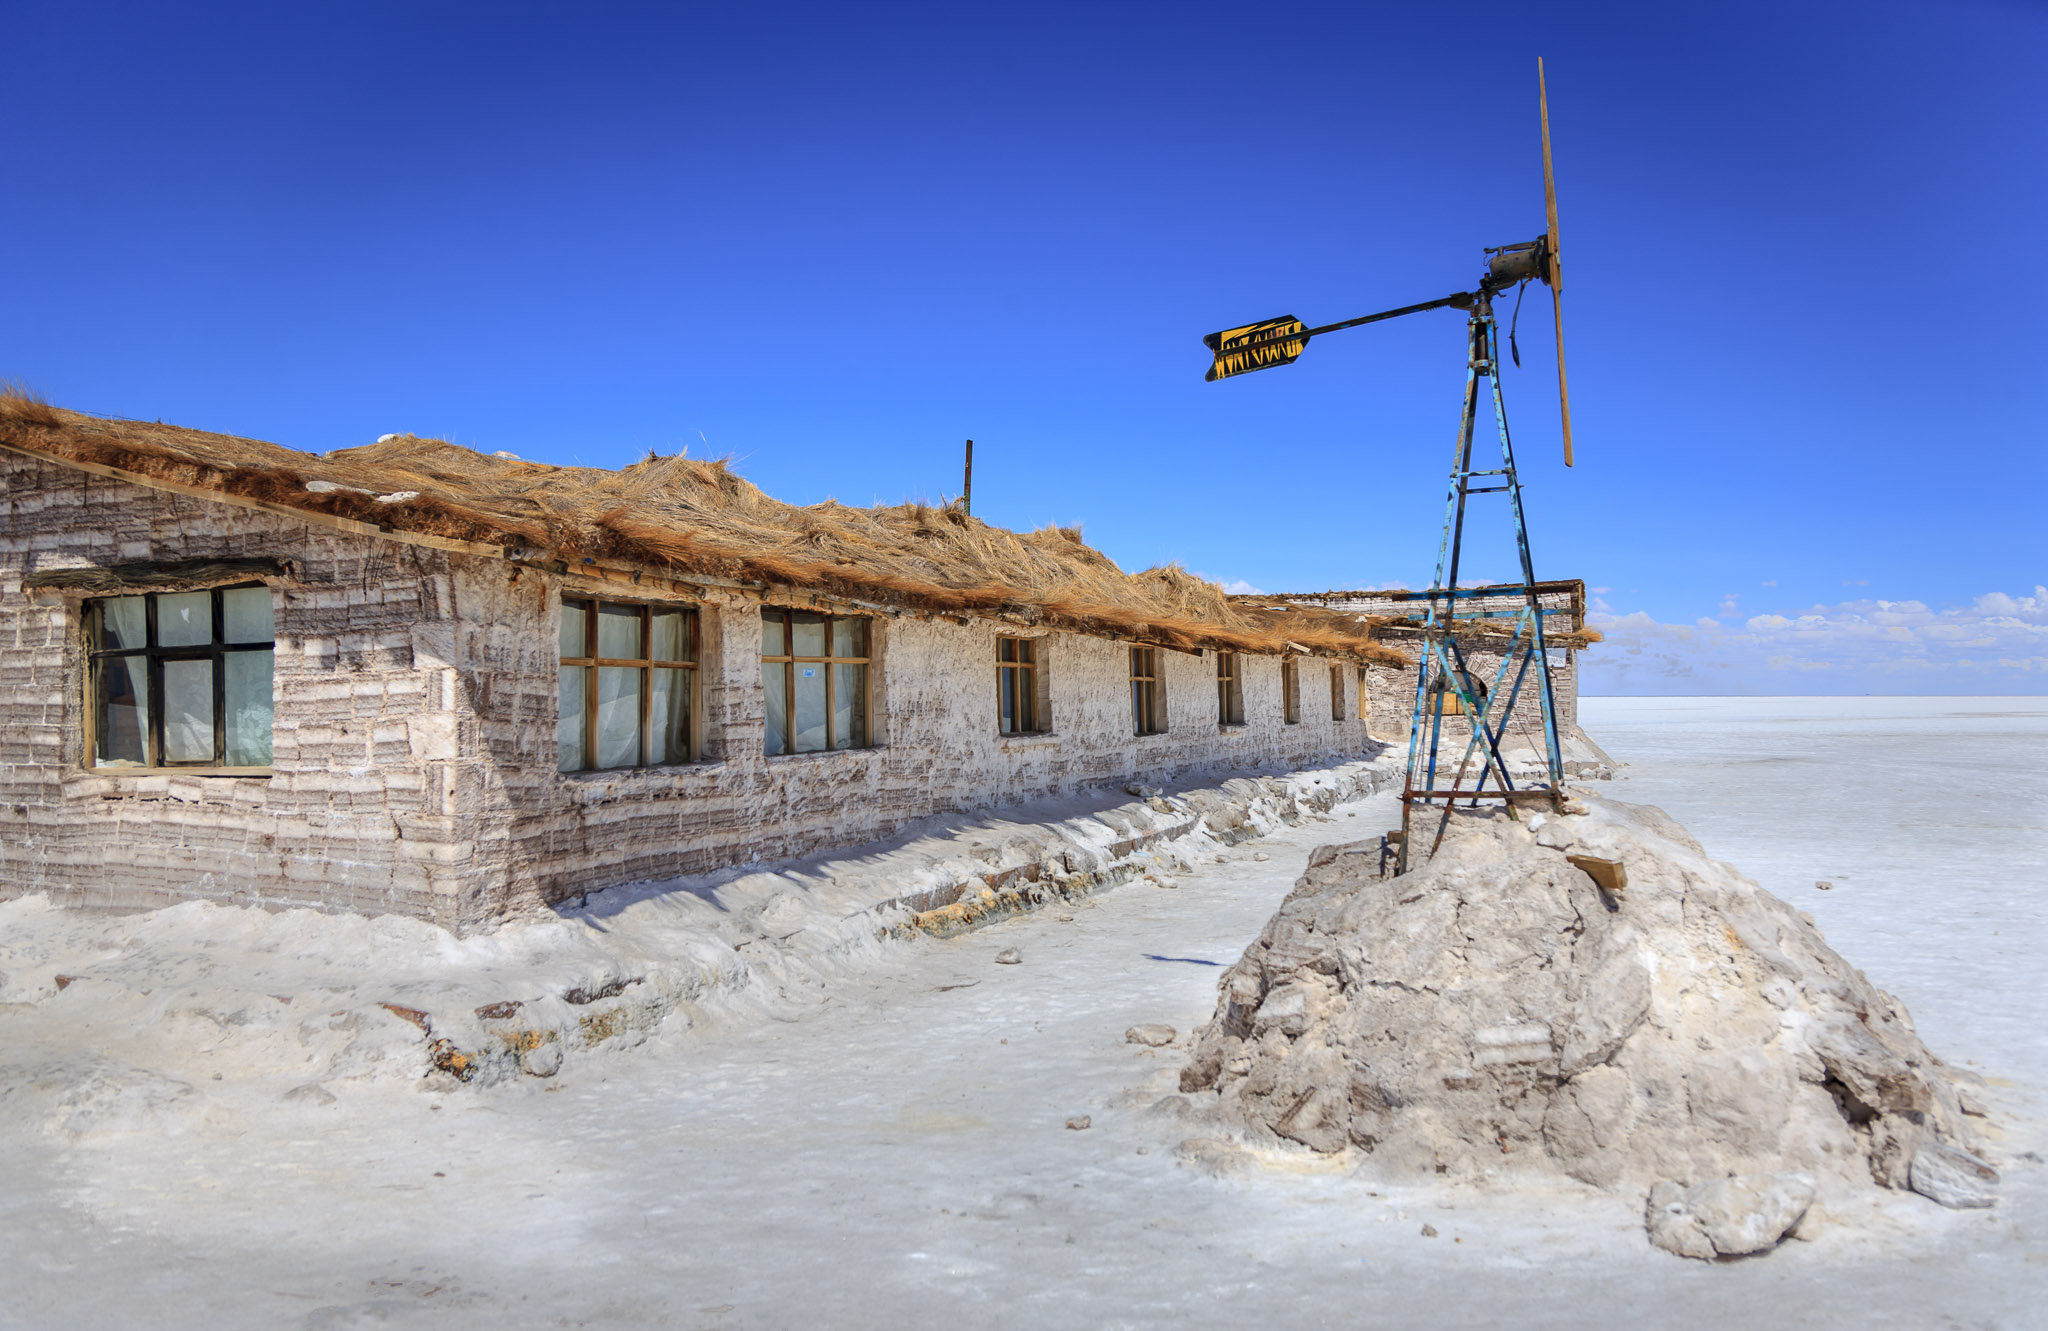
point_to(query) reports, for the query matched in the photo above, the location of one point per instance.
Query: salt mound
(1500, 1010)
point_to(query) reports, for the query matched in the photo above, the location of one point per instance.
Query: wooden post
(967, 487)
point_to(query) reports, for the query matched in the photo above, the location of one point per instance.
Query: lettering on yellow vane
(1255, 346)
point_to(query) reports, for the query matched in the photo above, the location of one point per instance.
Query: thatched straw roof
(684, 516)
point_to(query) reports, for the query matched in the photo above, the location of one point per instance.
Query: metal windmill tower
(1445, 684)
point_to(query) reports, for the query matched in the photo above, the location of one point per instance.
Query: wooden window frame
(1336, 693)
(1448, 703)
(154, 657)
(646, 663)
(1229, 689)
(1290, 691)
(792, 661)
(1148, 692)
(1017, 684)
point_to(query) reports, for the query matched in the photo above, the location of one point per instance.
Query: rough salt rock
(1953, 1177)
(1498, 1011)
(1079, 1123)
(542, 1060)
(1009, 956)
(1155, 1034)
(1728, 1217)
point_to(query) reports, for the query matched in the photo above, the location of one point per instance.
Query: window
(181, 679)
(628, 685)
(1290, 691)
(1448, 703)
(814, 671)
(1229, 692)
(1148, 692)
(1336, 693)
(1016, 686)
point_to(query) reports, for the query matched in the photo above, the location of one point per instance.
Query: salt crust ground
(894, 1153)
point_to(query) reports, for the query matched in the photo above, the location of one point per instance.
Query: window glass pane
(573, 627)
(569, 721)
(849, 637)
(123, 721)
(849, 706)
(1137, 707)
(807, 727)
(774, 634)
(671, 635)
(245, 614)
(245, 679)
(122, 624)
(188, 710)
(185, 620)
(807, 630)
(774, 680)
(1006, 691)
(618, 715)
(618, 633)
(1006, 649)
(668, 733)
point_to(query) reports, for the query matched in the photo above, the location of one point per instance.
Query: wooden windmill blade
(1555, 277)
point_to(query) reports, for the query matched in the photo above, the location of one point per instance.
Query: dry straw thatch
(684, 516)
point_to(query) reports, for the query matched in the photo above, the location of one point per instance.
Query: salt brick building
(1399, 617)
(411, 678)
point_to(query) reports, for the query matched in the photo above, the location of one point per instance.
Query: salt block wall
(1393, 696)
(414, 751)
(372, 766)
(936, 749)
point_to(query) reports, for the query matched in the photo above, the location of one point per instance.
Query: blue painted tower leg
(1440, 668)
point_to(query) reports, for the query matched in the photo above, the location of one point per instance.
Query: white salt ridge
(324, 998)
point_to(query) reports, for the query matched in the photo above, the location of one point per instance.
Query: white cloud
(1996, 644)
(1230, 586)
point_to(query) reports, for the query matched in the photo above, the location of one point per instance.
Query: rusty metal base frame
(1441, 672)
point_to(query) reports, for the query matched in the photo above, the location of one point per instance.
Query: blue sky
(834, 241)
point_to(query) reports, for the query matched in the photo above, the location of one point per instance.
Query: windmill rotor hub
(1513, 264)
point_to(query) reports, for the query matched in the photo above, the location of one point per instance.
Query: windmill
(1444, 681)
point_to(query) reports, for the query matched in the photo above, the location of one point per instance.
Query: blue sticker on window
(810, 671)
